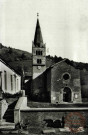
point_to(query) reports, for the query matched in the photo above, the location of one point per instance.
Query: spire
(38, 35)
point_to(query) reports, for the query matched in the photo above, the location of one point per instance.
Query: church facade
(65, 84)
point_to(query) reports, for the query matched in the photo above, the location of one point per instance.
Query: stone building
(60, 83)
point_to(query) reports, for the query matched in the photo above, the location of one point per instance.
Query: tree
(10, 50)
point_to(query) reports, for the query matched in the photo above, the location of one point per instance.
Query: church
(60, 83)
(59, 91)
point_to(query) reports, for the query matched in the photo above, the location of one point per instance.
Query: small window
(17, 84)
(39, 61)
(41, 52)
(5, 80)
(11, 82)
(76, 96)
(38, 52)
(15, 81)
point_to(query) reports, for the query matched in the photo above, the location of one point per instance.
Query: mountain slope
(22, 60)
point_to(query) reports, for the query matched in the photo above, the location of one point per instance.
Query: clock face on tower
(39, 67)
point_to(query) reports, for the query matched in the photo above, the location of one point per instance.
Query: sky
(64, 26)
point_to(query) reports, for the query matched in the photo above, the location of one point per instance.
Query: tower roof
(38, 34)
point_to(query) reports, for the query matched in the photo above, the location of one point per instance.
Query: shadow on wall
(27, 87)
(39, 96)
(36, 89)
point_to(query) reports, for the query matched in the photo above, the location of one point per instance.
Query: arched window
(38, 52)
(39, 61)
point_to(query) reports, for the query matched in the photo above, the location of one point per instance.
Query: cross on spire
(37, 15)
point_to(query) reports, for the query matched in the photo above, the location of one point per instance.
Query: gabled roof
(64, 60)
(4, 62)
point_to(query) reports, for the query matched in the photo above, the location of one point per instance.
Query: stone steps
(7, 126)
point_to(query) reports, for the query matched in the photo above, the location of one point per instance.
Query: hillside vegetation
(21, 60)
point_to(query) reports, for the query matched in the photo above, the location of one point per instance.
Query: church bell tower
(38, 52)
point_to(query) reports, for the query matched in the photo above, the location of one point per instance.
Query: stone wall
(84, 85)
(45, 119)
(21, 104)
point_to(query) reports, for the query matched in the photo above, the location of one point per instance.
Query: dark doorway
(67, 94)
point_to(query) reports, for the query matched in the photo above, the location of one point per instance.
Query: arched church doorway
(67, 94)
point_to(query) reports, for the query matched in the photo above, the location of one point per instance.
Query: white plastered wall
(16, 82)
